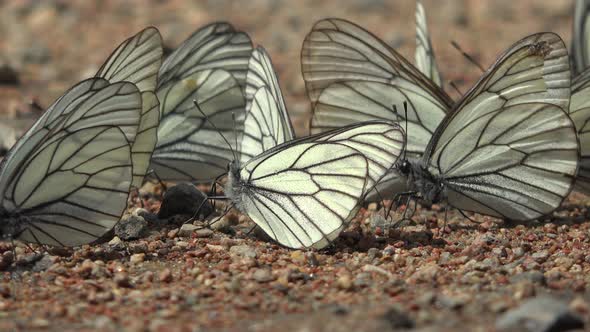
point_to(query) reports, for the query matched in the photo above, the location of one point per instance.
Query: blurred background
(47, 46)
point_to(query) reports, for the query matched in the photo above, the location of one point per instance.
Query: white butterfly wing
(337, 50)
(189, 148)
(267, 122)
(147, 137)
(304, 192)
(138, 60)
(261, 73)
(425, 60)
(264, 127)
(214, 46)
(66, 181)
(508, 149)
(579, 112)
(580, 41)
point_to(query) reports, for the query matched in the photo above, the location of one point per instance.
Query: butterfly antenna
(233, 118)
(406, 129)
(454, 86)
(467, 56)
(215, 127)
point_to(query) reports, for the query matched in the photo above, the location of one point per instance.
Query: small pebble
(137, 258)
(165, 276)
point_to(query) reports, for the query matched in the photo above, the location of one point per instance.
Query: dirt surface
(465, 276)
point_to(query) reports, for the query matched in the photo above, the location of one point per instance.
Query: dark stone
(8, 76)
(540, 314)
(42, 264)
(533, 276)
(398, 319)
(184, 199)
(130, 227)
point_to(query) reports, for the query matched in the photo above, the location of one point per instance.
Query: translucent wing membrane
(261, 73)
(508, 149)
(66, 181)
(580, 43)
(136, 60)
(214, 46)
(425, 60)
(337, 50)
(264, 127)
(80, 192)
(147, 137)
(189, 148)
(579, 112)
(267, 122)
(304, 192)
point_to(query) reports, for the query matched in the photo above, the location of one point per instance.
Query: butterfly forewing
(189, 147)
(425, 60)
(267, 122)
(316, 198)
(337, 50)
(136, 60)
(509, 149)
(214, 46)
(579, 112)
(580, 43)
(264, 127)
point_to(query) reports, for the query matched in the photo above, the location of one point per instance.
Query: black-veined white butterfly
(267, 122)
(209, 67)
(66, 181)
(304, 192)
(507, 149)
(137, 60)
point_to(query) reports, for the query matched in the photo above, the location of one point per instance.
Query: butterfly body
(431, 187)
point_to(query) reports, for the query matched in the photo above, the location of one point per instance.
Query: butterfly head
(422, 180)
(10, 225)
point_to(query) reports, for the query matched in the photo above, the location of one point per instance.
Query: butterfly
(209, 67)
(506, 149)
(66, 180)
(304, 192)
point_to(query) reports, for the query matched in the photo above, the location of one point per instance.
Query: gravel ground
(160, 276)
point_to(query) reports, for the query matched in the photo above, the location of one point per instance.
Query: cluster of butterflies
(512, 147)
